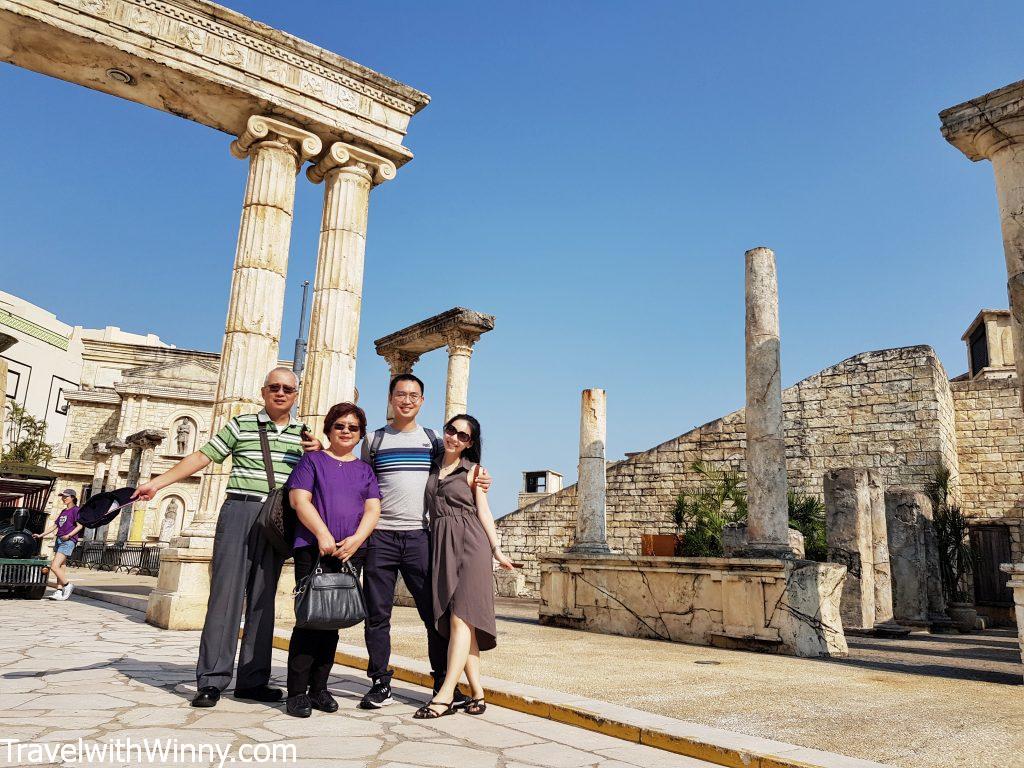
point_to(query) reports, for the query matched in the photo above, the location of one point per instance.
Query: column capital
(260, 128)
(460, 342)
(117, 447)
(340, 156)
(147, 439)
(100, 450)
(981, 127)
(400, 360)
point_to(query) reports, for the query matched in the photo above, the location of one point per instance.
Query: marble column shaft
(252, 332)
(767, 516)
(591, 489)
(460, 350)
(348, 173)
(1008, 164)
(99, 469)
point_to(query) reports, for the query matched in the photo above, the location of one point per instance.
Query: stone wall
(88, 423)
(990, 438)
(889, 410)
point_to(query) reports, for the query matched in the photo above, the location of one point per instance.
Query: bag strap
(436, 446)
(268, 464)
(378, 438)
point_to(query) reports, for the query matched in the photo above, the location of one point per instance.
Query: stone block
(848, 533)
(908, 515)
(734, 540)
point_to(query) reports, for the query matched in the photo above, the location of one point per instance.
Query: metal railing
(129, 557)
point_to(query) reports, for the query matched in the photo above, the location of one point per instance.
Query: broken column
(767, 515)
(591, 533)
(848, 532)
(880, 551)
(916, 588)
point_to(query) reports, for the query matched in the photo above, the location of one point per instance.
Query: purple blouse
(340, 490)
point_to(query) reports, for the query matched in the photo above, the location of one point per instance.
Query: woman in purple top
(337, 501)
(68, 530)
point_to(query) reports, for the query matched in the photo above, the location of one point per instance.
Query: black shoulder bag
(329, 600)
(276, 519)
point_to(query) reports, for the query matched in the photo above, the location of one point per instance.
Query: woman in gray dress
(464, 547)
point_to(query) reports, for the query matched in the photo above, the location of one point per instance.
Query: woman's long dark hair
(473, 451)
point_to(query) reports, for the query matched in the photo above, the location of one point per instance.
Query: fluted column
(400, 361)
(99, 467)
(992, 127)
(591, 489)
(460, 350)
(767, 513)
(252, 333)
(348, 173)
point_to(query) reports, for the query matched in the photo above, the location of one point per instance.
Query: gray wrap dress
(463, 569)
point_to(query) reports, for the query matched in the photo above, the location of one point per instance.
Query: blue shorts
(64, 548)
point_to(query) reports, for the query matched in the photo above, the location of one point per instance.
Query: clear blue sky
(589, 172)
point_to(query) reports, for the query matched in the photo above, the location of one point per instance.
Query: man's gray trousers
(245, 570)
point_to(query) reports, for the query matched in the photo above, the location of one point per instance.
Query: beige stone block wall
(87, 423)
(889, 410)
(990, 438)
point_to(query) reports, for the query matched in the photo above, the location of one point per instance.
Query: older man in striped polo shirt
(245, 568)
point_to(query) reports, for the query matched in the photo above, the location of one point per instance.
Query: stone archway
(286, 102)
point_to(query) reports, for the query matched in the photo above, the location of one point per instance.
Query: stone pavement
(948, 701)
(96, 672)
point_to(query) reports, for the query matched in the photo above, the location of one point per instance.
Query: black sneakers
(323, 701)
(378, 696)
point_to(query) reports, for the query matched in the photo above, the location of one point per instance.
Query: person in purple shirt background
(68, 529)
(337, 502)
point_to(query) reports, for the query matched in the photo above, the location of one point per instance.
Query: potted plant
(956, 561)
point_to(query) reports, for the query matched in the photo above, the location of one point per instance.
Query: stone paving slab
(106, 675)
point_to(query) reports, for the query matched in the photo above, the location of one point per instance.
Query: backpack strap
(378, 438)
(436, 445)
(268, 464)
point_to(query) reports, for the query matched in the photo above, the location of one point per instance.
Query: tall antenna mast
(299, 360)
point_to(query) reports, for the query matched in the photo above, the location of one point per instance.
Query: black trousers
(389, 553)
(311, 651)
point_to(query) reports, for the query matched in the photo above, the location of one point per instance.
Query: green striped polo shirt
(240, 439)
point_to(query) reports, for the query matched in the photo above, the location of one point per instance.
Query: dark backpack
(437, 447)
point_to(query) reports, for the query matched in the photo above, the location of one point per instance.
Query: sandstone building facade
(895, 411)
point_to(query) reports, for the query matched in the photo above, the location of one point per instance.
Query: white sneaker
(68, 589)
(57, 594)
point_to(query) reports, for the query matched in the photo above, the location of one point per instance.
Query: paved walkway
(946, 701)
(91, 671)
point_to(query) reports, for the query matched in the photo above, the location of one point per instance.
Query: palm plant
(956, 560)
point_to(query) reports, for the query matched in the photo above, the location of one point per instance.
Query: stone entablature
(458, 329)
(210, 64)
(983, 126)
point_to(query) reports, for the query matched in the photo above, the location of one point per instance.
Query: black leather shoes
(323, 701)
(262, 693)
(207, 696)
(299, 706)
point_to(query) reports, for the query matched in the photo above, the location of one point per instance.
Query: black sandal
(476, 707)
(426, 713)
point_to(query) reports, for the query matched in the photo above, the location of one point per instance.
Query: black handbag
(276, 519)
(329, 600)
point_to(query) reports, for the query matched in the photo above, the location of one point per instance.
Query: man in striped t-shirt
(245, 568)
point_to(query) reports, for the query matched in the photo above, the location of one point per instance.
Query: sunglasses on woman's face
(453, 432)
(286, 388)
(339, 427)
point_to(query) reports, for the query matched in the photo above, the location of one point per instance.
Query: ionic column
(992, 127)
(591, 531)
(399, 361)
(767, 514)
(460, 349)
(348, 173)
(276, 151)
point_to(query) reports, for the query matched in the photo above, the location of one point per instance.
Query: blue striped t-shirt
(402, 465)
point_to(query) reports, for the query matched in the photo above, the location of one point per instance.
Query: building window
(536, 482)
(978, 345)
(67, 453)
